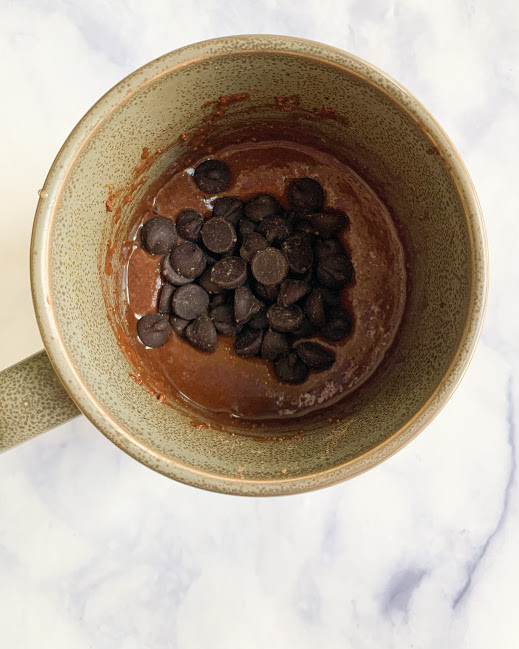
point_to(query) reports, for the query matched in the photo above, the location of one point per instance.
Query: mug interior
(385, 136)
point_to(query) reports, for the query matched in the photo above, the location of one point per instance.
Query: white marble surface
(97, 551)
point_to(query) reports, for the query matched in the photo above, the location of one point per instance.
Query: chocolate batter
(247, 388)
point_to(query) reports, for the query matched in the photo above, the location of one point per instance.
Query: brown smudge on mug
(287, 104)
(330, 113)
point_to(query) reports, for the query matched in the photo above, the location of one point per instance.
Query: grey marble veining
(98, 551)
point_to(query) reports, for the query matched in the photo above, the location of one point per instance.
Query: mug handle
(32, 400)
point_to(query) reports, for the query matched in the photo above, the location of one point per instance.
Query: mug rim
(43, 304)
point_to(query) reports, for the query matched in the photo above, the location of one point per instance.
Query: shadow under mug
(391, 140)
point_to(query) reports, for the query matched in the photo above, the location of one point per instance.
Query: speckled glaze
(394, 144)
(33, 401)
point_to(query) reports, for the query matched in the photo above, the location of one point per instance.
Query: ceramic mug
(393, 142)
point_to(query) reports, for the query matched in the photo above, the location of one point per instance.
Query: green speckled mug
(392, 141)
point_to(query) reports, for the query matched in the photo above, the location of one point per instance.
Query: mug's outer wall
(32, 399)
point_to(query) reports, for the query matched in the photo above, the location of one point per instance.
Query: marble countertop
(97, 551)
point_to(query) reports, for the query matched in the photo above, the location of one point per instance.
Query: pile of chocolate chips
(268, 277)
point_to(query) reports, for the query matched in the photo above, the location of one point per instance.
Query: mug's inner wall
(381, 141)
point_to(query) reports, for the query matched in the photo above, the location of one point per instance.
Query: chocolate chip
(190, 301)
(229, 272)
(228, 208)
(306, 236)
(275, 229)
(212, 176)
(178, 325)
(314, 309)
(261, 206)
(305, 330)
(269, 267)
(304, 226)
(231, 253)
(315, 356)
(285, 318)
(305, 195)
(292, 290)
(171, 275)
(298, 253)
(189, 223)
(153, 329)
(223, 318)
(158, 235)
(166, 293)
(335, 272)
(201, 333)
(208, 285)
(274, 345)
(245, 304)
(246, 227)
(308, 276)
(291, 369)
(252, 244)
(329, 223)
(218, 235)
(338, 325)
(209, 256)
(330, 297)
(218, 300)
(188, 259)
(267, 293)
(291, 217)
(259, 320)
(248, 342)
(327, 248)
